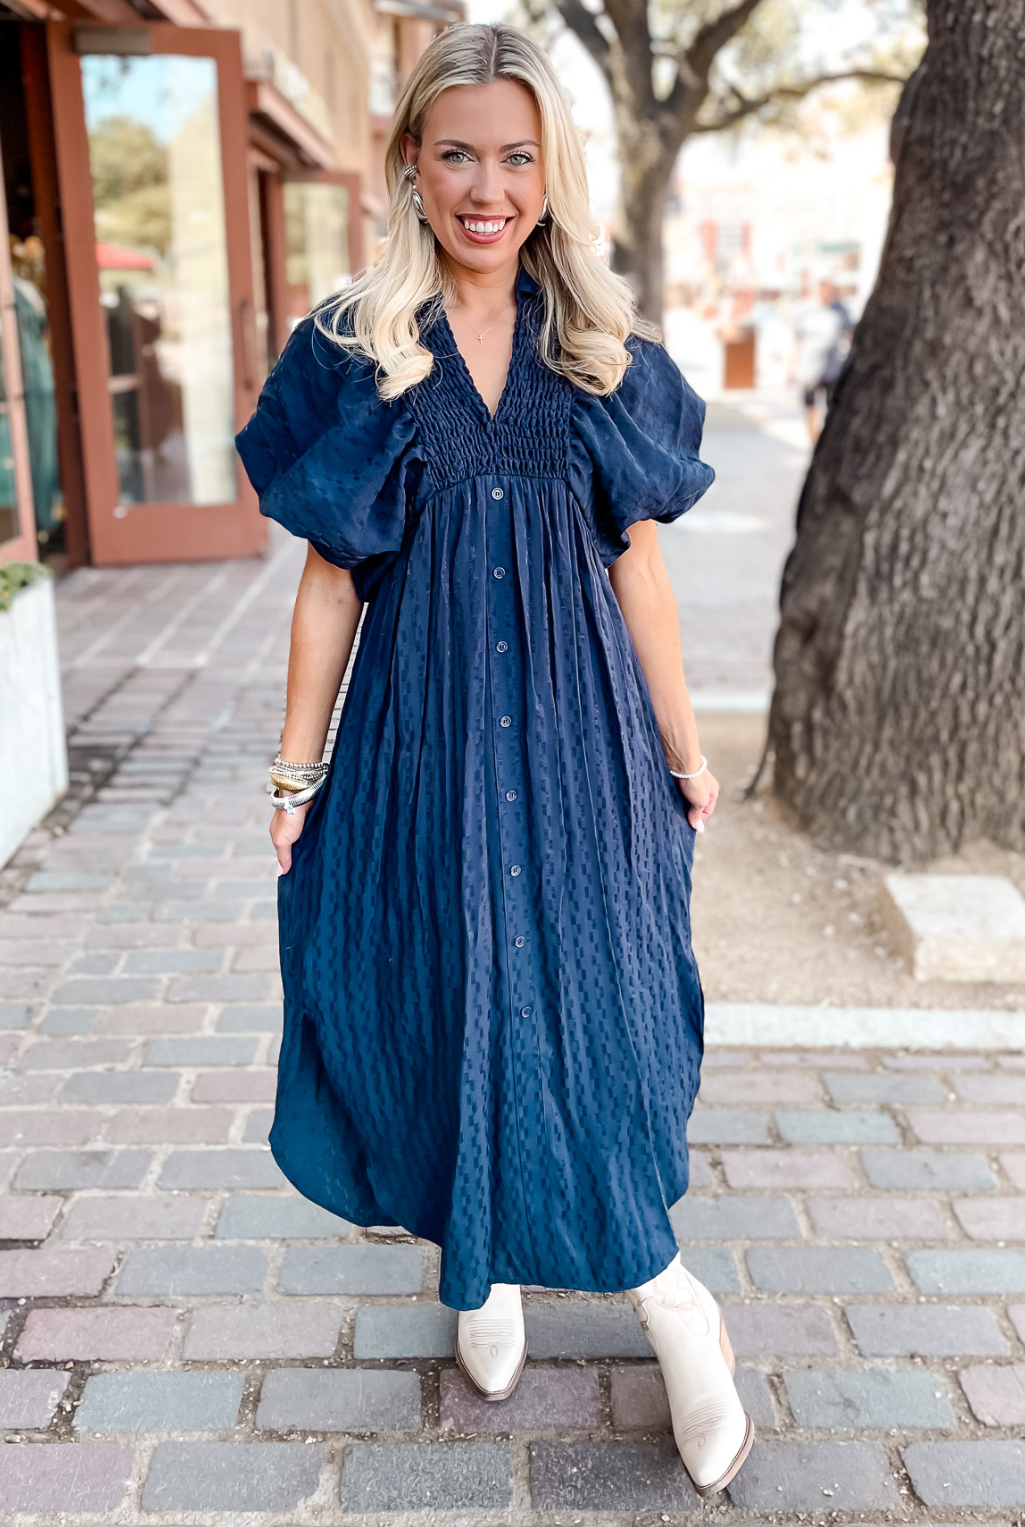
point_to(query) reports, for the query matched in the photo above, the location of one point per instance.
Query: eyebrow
(458, 143)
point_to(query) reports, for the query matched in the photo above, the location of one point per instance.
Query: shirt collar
(525, 283)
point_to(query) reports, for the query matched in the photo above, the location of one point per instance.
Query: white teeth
(484, 227)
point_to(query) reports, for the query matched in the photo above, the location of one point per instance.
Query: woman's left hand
(701, 794)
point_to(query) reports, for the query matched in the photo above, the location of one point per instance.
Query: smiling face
(480, 173)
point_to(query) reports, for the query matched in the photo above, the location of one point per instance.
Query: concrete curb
(889, 1028)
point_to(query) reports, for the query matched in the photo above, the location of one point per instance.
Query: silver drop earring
(410, 173)
(542, 218)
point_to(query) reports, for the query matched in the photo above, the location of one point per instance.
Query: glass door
(315, 244)
(151, 130)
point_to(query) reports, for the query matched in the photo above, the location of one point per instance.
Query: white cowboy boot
(682, 1321)
(491, 1346)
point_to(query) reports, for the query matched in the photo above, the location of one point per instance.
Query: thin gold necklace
(480, 337)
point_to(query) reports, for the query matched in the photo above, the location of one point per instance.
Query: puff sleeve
(328, 458)
(634, 454)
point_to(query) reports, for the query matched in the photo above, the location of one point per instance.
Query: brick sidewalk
(185, 1338)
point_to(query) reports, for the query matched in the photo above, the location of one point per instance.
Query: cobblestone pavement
(184, 1339)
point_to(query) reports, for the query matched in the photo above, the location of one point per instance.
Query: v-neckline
(489, 417)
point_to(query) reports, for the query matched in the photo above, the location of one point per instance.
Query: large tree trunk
(646, 167)
(898, 718)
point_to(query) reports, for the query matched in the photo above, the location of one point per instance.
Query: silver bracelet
(299, 774)
(704, 765)
(288, 801)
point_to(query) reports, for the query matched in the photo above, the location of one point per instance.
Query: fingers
(283, 851)
(696, 813)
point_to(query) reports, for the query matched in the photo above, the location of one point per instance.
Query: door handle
(247, 334)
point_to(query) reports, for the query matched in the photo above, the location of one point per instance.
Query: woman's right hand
(285, 828)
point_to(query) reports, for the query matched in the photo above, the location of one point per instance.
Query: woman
(493, 1015)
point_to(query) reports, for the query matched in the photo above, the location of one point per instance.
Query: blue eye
(520, 158)
(454, 155)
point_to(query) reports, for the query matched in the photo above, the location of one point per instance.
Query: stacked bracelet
(288, 800)
(704, 765)
(294, 776)
(294, 784)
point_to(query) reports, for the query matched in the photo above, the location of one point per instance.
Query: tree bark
(646, 167)
(898, 719)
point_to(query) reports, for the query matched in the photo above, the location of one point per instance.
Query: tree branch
(694, 65)
(713, 37)
(630, 19)
(747, 107)
(584, 26)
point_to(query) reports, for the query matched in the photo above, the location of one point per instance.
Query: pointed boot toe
(685, 1328)
(491, 1344)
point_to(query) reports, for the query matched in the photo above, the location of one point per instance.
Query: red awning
(117, 257)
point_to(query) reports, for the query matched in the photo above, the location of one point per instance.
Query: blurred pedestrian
(822, 329)
(493, 1017)
(37, 385)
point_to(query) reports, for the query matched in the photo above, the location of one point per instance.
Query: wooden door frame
(174, 531)
(276, 250)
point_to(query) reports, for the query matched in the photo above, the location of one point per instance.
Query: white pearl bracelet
(704, 765)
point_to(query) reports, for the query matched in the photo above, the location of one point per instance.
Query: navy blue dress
(493, 1016)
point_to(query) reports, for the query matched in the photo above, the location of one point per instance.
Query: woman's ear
(409, 148)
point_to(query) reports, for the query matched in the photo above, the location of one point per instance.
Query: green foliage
(769, 40)
(124, 156)
(130, 184)
(19, 575)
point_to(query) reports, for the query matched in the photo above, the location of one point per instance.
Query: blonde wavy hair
(588, 311)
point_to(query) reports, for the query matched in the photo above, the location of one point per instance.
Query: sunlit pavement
(726, 555)
(185, 1339)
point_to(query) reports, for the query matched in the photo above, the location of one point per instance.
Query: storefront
(178, 196)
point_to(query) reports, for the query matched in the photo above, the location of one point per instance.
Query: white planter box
(33, 751)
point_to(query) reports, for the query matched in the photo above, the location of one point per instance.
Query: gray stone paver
(962, 1473)
(968, 1271)
(834, 1476)
(160, 1402)
(862, 1227)
(354, 1400)
(419, 1477)
(230, 1476)
(840, 1400)
(609, 1476)
(30, 1397)
(819, 1270)
(351, 1270)
(926, 1330)
(825, 1126)
(167, 1271)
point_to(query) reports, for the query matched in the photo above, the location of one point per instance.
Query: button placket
(506, 708)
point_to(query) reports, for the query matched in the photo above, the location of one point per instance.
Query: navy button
(510, 795)
(514, 869)
(497, 493)
(501, 646)
(524, 1012)
(505, 721)
(499, 572)
(520, 941)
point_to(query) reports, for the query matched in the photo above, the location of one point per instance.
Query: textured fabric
(493, 1017)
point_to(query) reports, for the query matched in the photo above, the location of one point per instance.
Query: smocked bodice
(529, 435)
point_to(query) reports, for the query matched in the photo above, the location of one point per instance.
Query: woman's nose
(487, 183)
